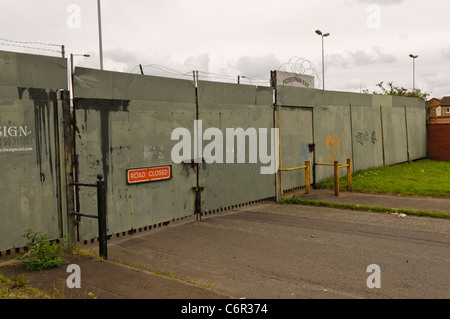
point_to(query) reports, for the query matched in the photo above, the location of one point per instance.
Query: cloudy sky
(370, 40)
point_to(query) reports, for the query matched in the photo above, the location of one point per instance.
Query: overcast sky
(370, 40)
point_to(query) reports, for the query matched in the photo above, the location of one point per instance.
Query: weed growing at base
(421, 178)
(42, 254)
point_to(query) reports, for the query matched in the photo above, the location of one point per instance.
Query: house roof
(445, 101)
(439, 120)
(433, 102)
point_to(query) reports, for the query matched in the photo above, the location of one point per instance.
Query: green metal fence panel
(394, 135)
(31, 192)
(333, 139)
(130, 127)
(417, 131)
(367, 144)
(248, 108)
(296, 139)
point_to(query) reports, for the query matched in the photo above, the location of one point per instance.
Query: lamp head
(319, 32)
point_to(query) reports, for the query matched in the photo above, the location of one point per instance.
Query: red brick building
(434, 107)
(445, 106)
(439, 138)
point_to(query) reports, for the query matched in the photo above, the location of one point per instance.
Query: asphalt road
(292, 251)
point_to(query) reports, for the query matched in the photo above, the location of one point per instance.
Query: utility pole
(323, 58)
(100, 34)
(414, 70)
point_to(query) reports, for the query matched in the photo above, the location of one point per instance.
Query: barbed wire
(20, 44)
(202, 74)
(300, 65)
(27, 47)
(30, 42)
(165, 69)
(296, 65)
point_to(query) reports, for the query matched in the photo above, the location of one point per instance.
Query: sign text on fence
(149, 174)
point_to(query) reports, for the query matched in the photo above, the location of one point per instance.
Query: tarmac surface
(268, 250)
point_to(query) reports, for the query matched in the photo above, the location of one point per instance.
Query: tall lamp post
(100, 34)
(414, 57)
(323, 63)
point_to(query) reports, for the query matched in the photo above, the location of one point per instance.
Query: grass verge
(295, 200)
(17, 288)
(420, 178)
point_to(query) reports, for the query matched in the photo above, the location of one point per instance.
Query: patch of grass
(421, 178)
(295, 200)
(83, 252)
(17, 288)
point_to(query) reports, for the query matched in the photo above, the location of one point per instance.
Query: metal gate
(296, 145)
(125, 123)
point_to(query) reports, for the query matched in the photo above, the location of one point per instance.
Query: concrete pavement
(267, 251)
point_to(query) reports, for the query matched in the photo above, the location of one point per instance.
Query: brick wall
(439, 139)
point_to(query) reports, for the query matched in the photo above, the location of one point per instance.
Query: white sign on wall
(15, 139)
(294, 79)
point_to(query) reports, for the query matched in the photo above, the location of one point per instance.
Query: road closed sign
(149, 174)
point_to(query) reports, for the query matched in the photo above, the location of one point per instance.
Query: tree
(401, 91)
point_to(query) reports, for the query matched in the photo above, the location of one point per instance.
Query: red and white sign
(150, 174)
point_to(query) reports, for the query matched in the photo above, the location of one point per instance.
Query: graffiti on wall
(362, 137)
(332, 145)
(304, 151)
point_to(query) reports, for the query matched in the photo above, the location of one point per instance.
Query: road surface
(275, 251)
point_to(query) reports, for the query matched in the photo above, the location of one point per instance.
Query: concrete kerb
(408, 205)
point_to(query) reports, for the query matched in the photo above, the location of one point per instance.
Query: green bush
(42, 254)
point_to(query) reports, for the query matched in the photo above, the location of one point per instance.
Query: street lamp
(71, 59)
(246, 77)
(243, 77)
(323, 63)
(72, 68)
(414, 57)
(100, 44)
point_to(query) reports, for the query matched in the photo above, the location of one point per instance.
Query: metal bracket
(193, 163)
(198, 203)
